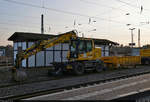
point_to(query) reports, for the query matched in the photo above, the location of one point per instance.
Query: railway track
(79, 83)
(49, 79)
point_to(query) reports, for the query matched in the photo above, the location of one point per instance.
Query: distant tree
(146, 46)
(9, 50)
(9, 46)
(121, 45)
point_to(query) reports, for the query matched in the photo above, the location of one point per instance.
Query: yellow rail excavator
(82, 55)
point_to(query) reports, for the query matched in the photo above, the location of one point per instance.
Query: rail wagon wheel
(147, 62)
(57, 71)
(78, 68)
(99, 68)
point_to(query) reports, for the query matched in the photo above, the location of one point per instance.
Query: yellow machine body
(82, 53)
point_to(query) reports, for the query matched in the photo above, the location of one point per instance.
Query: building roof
(104, 41)
(25, 36)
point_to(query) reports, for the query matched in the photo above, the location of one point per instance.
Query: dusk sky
(108, 17)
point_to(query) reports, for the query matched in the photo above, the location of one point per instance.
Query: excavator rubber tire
(57, 71)
(78, 68)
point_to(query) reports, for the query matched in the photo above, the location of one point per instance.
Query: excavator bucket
(19, 74)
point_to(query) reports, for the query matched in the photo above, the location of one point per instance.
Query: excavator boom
(42, 45)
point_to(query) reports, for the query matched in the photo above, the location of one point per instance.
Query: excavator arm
(42, 45)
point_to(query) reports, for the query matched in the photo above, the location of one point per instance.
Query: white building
(57, 53)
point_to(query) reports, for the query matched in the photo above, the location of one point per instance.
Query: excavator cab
(80, 48)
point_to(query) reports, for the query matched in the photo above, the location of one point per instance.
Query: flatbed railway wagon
(121, 61)
(145, 56)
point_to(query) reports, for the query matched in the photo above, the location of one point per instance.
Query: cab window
(89, 46)
(73, 49)
(73, 46)
(82, 47)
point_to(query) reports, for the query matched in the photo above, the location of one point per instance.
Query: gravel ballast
(23, 89)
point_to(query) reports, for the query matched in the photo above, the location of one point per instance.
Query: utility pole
(132, 36)
(82, 35)
(139, 38)
(42, 24)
